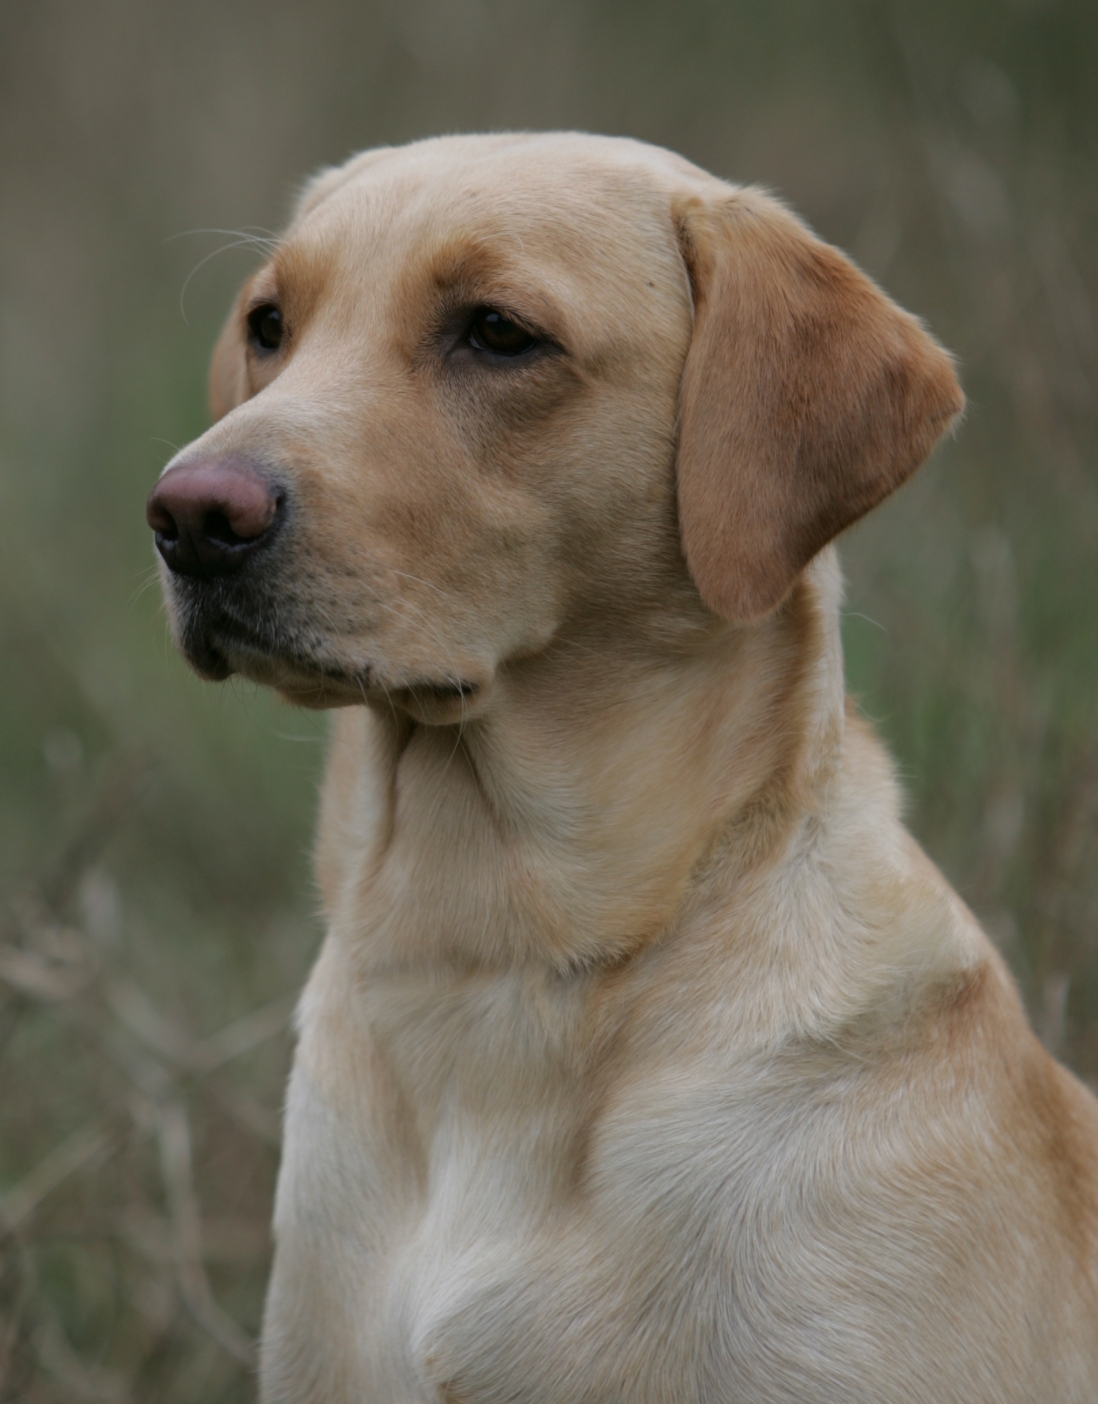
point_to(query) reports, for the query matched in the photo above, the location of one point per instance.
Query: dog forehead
(568, 167)
(597, 207)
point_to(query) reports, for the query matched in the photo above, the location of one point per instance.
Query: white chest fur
(499, 1206)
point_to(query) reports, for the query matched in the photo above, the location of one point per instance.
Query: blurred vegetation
(157, 913)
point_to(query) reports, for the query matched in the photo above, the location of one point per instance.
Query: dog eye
(492, 331)
(265, 327)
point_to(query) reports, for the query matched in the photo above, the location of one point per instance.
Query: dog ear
(228, 382)
(807, 397)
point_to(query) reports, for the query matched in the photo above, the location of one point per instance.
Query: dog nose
(208, 517)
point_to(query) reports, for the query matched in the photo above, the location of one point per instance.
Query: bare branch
(176, 1166)
(87, 1143)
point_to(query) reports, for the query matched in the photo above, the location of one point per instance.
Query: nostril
(217, 527)
(162, 521)
(242, 515)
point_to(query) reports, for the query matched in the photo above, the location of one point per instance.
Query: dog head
(487, 387)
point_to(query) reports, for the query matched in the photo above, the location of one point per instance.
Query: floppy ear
(228, 383)
(808, 396)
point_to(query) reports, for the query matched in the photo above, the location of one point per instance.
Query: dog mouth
(218, 643)
(219, 646)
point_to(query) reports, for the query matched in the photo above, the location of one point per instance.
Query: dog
(647, 1058)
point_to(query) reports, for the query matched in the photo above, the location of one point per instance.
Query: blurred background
(156, 913)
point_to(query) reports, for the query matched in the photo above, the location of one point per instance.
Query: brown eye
(492, 331)
(265, 327)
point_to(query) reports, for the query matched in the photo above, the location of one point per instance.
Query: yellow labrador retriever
(647, 1058)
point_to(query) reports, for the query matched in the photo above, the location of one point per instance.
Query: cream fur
(647, 1058)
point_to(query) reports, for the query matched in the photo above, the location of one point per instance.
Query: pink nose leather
(208, 517)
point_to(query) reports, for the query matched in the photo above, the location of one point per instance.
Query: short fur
(647, 1057)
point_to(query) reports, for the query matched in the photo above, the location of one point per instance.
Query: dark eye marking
(265, 327)
(491, 330)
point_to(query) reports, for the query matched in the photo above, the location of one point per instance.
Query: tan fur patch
(808, 396)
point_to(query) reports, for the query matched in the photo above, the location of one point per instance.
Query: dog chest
(494, 1196)
(504, 1219)
(438, 1124)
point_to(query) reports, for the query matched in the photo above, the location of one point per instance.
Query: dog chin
(323, 684)
(304, 682)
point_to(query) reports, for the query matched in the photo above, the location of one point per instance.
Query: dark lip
(213, 658)
(234, 640)
(444, 690)
(217, 644)
(221, 645)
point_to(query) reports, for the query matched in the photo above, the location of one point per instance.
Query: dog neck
(570, 824)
